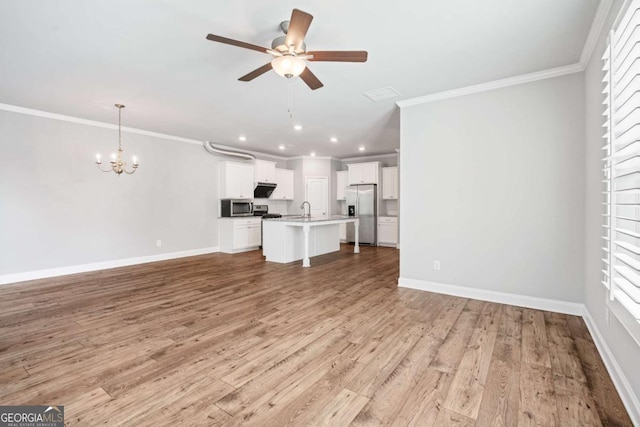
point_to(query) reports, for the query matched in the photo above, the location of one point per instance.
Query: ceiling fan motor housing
(279, 44)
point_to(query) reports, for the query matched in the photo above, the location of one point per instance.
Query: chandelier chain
(117, 165)
(120, 128)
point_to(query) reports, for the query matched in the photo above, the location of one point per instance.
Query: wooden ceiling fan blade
(310, 79)
(298, 27)
(339, 55)
(256, 73)
(238, 43)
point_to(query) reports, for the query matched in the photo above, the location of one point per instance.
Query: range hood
(263, 190)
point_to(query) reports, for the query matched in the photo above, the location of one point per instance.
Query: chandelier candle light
(117, 165)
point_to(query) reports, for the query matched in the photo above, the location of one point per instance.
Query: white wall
(57, 209)
(492, 186)
(308, 167)
(623, 348)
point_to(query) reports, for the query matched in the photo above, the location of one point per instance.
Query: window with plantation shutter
(621, 213)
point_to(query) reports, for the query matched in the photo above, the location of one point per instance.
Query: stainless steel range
(263, 211)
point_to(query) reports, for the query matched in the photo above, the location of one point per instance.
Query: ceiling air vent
(377, 95)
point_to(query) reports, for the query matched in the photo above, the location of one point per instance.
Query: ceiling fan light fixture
(288, 66)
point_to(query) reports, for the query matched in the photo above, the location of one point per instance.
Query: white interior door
(317, 194)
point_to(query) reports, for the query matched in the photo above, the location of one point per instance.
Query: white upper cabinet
(390, 183)
(363, 173)
(265, 171)
(341, 184)
(236, 180)
(284, 189)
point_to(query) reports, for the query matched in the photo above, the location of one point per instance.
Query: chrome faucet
(304, 214)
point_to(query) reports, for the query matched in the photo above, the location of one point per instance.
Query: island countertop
(299, 220)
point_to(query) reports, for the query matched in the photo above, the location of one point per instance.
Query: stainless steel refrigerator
(362, 201)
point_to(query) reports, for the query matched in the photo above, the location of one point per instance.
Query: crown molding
(597, 25)
(94, 123)
(370, 157)
(496, 84)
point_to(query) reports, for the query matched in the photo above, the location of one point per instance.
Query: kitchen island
(289, 239)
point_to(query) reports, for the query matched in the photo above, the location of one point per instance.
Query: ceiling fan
(290, 52)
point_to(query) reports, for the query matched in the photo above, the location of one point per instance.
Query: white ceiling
(79, 57)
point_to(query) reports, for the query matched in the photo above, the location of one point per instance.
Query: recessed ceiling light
(281, 146)
(297, 127)
(333, 139)
(361, 148)
(242, 138)
(313, 153)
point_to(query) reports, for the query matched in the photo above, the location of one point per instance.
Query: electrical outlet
(436, 265)
(158, 243)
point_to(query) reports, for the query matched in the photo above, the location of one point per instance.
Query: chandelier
(117, 165)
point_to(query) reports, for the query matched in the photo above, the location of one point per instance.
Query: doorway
(316, 192)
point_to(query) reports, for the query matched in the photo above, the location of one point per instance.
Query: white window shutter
(621, 162)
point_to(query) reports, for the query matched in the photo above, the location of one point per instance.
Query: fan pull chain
(289, 106)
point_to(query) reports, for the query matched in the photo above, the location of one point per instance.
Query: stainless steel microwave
(230, 207)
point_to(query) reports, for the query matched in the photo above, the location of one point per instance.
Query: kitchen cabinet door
(239, 234)
(284, 188)
(390, 183)
(363, 173)
(341, 184)
(265, 171)
(387, 231)
(240, 237)
(236, 180)
(254, 235)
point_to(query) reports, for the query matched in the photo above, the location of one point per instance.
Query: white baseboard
(237, 251)
(388, 245)
(82, 268)
(557, 306)
(629, 398)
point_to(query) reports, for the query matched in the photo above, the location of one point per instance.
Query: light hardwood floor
(229, 339)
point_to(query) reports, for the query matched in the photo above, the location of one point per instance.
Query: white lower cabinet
(239, 234)
(387, 231)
